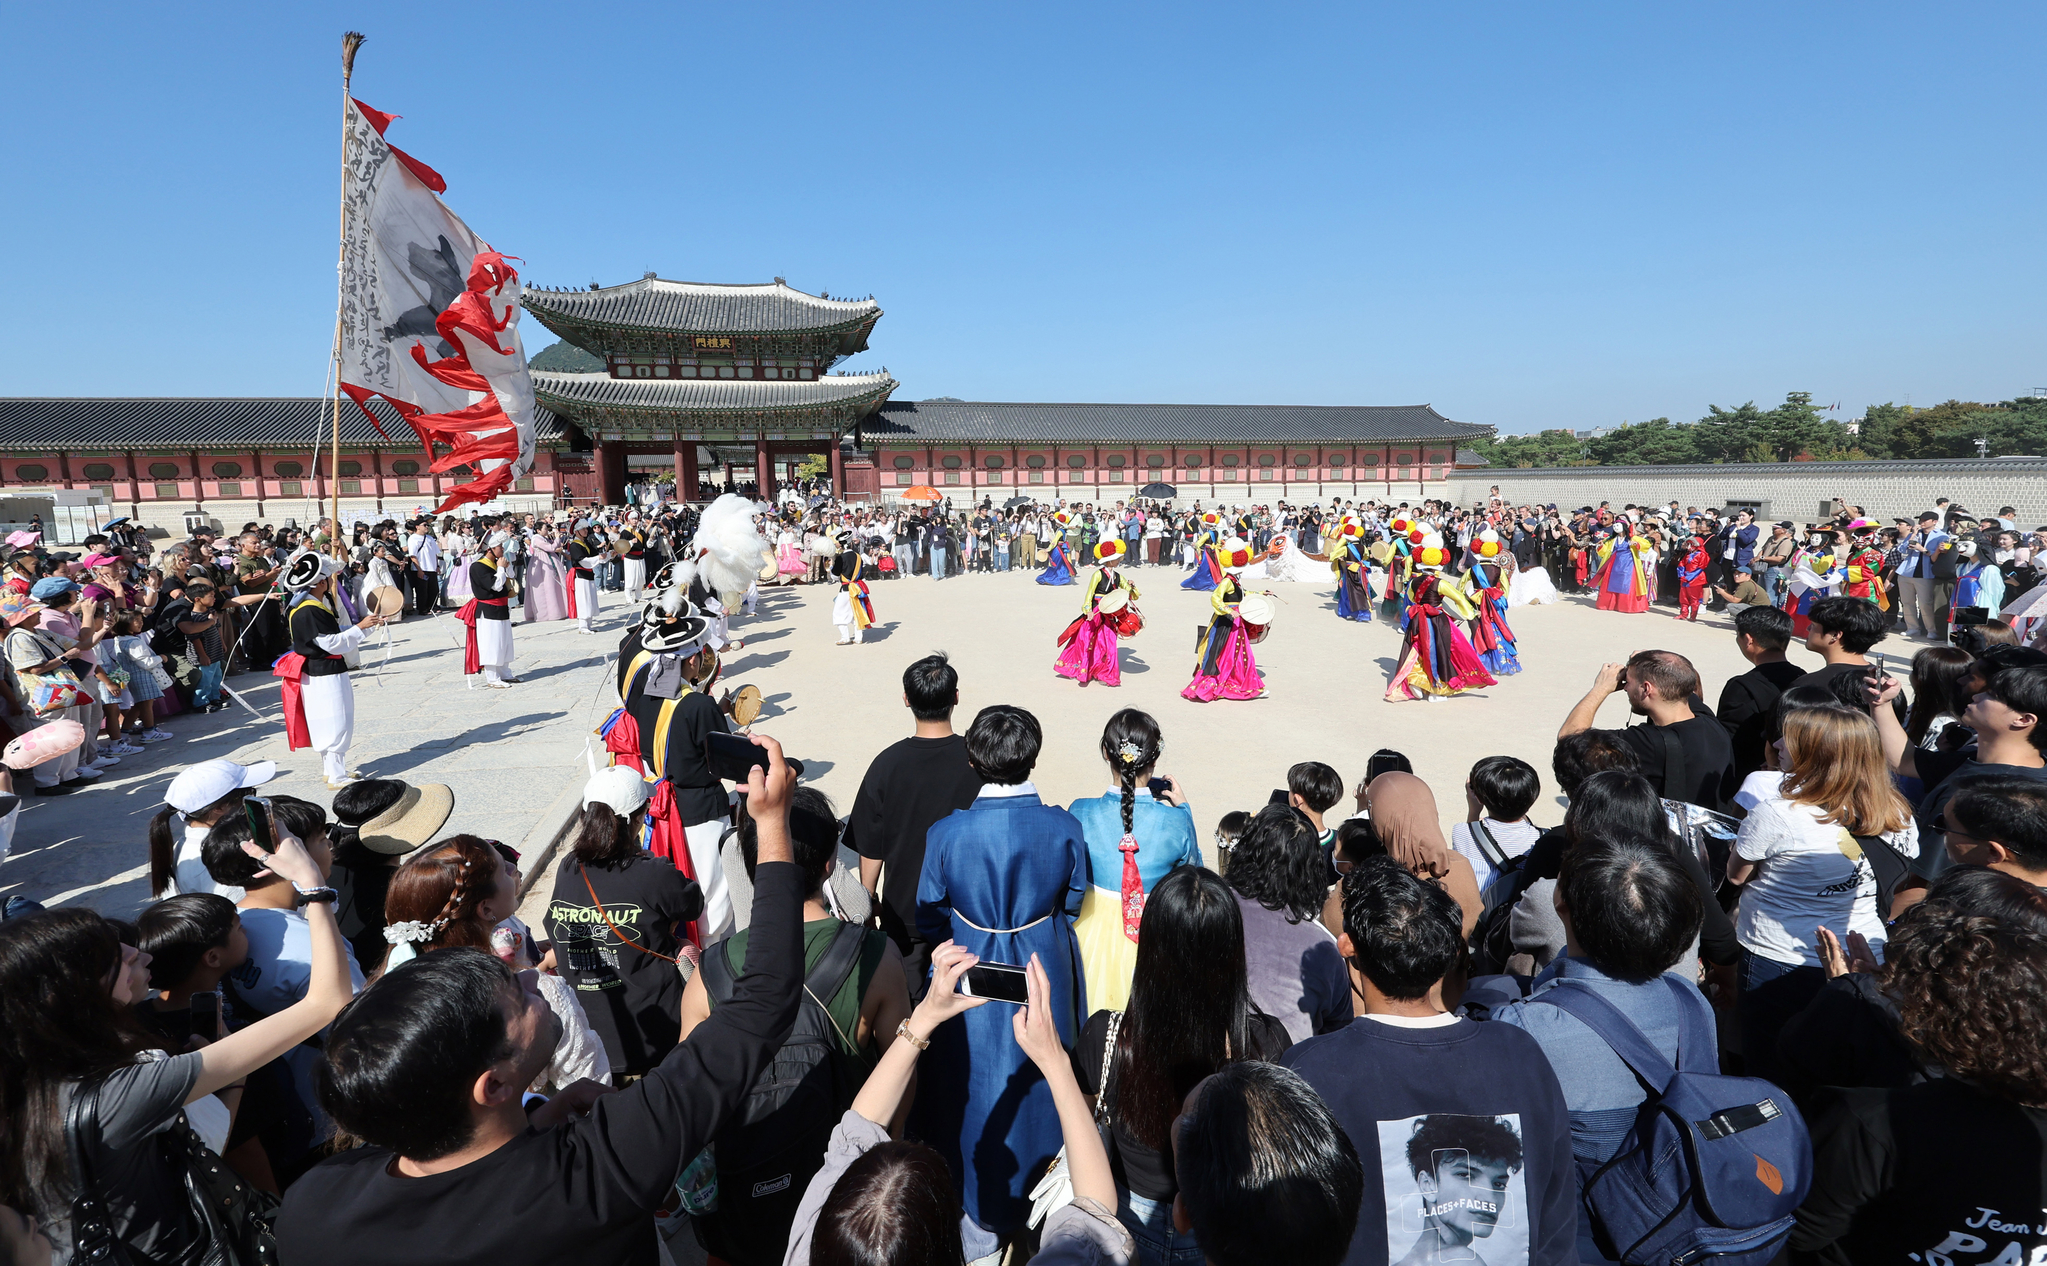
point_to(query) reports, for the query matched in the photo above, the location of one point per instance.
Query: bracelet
(903, 1032)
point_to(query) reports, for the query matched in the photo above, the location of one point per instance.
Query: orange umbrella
(922, 492)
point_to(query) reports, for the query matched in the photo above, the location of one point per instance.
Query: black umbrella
(1014, 502)
(1159, 492)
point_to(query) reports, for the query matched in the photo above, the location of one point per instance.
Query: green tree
(1657, 442)
(1545, 448)
(1727, 435)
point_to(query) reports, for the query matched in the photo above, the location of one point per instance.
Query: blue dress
(1206, 574)
(1058, 570)
(1002, 878)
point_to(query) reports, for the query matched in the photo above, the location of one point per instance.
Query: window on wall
(951, 463)
(291, 488)
(98, 470)
(904, 479)
(1037, 476)
(994, 463)
(350, 470)
(1369, 459)
(404, 468)
(1191, 462)
(163, 470)
(952, 476)
(227, 470)
(1303, 459)
(31, 472)
(1076, 461)
(1231, 459)
(1116, 459)
(288, 470)
(904, 463)
(1266, 459)
(1336, 459)
(408, 485)
(351, 487)
(1034, 461)
(1155, 461)
(230, 489)
(166, 492)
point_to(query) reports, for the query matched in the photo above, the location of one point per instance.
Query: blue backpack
(1714, 1166)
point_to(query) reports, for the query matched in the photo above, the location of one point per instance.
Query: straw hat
(417, 817)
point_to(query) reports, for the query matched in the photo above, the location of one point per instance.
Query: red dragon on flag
(412, 274)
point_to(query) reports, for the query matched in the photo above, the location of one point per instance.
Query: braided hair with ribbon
(435, 900)
(1132, 744)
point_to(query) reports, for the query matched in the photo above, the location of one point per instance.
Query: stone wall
(1789, 490)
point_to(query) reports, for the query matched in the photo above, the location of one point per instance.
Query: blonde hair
(1837, 765)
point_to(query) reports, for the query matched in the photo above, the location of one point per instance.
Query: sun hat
(205, 783)
(416, 817)
(620, 787)
(52, 587)
(16, 607)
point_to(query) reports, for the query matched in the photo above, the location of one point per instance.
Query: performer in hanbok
(319, 699)
(853, 605)
(1059, 565)
(1691, 578)
(1207, 573)
(789, 560)
(1436, 660)
(488, 613)
(632, 548)
(1626, 564)
(1863, 565)
(546, 580)
(1227, 669)
(1285, 560)
(1485, 588)
(584, 554)
(1353, 568)
(1091, 642)
(1402, 533)
(1813, 575)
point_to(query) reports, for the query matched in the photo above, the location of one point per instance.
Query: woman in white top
(1802, 867)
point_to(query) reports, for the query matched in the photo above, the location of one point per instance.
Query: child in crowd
(1497, 796)
(134, 656)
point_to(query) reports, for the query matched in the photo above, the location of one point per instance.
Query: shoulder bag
(232, 1219)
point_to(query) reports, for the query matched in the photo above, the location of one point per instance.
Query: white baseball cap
(205, 783)
(620, 787)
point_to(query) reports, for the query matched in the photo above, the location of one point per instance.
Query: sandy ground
(837, 706)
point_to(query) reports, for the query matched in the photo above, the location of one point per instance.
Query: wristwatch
(307, 896)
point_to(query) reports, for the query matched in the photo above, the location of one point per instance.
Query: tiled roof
(144, 422)
(703, 307)
(1162, 423)
(707, 395)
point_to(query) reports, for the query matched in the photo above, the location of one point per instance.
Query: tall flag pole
(350, 42)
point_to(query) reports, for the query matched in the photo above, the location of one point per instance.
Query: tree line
(1795, 431)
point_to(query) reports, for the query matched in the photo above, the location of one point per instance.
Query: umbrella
(922, 492)
(1159, 492)
(1015, 502)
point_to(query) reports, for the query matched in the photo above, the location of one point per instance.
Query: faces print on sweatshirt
(1454, 1190)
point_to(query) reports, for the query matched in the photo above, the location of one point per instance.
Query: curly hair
(1968, 971)
(442, 888)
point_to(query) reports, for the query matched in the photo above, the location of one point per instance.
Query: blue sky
(1527, 215)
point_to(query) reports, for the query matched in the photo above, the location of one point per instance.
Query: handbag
(47, 695)
(233, 1219)
(1054, 1191)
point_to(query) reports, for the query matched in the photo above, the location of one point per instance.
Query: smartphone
(206, 1013)
(1158, 788)
(262, 822)
(730, 756)
(997, 981)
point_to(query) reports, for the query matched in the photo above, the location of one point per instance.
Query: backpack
(1492, 940)
(772, 1147)
(1713, 1168)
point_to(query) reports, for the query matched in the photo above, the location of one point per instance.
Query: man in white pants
(323, 693)
(489, 617)
(584, 555)
(632, 547)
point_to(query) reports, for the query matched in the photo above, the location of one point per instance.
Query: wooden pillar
(611, 471)
(685, 470)
(838, 470)
(763, 471)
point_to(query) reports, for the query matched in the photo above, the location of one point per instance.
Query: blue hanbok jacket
(1003, 878)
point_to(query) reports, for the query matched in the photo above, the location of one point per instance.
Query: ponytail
(603, 837)
(162, 852)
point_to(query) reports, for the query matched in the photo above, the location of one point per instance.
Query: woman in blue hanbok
(1004, 878)
(1059, 566)
(1978, 583)
(1207, 572)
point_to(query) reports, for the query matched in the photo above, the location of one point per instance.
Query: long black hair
(1278, 863)
(59, 1023)
(1131, 742)
(1182, 1025)
(896, 1204)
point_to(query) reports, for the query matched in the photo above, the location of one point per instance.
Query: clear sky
(1529, 215)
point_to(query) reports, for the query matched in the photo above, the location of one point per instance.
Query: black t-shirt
(1147, 1171)
(1899, 1173)
(361, 876)
(633, 996)
(913, 783)
(1706, 754)
(1747, 703)
(1824, 675)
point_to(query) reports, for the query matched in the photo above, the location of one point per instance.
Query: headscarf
(1404, 816)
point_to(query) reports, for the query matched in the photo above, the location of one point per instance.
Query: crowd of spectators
(964, 1024)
